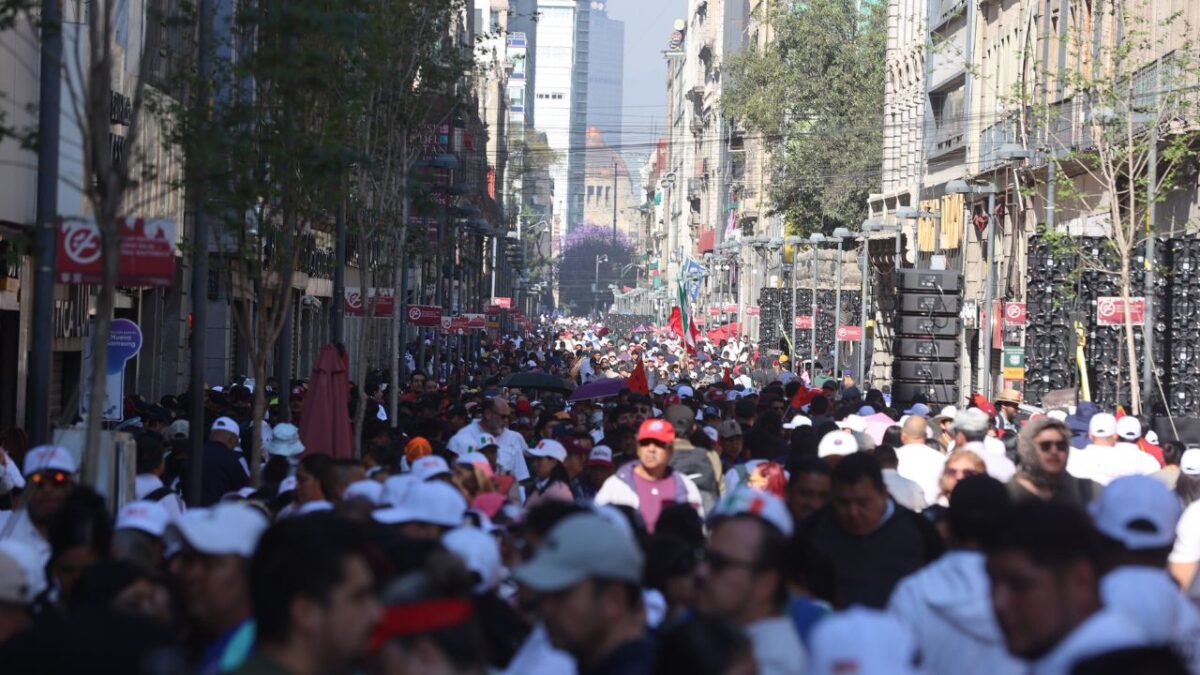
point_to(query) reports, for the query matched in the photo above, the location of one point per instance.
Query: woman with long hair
(550, 478)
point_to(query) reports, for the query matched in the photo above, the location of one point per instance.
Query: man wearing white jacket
(946, 605)
(1136, 518)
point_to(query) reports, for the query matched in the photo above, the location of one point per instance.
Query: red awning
(724, 332)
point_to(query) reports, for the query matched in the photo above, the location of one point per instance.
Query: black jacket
(223, 473)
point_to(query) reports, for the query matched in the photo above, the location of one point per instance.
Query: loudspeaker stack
(928, 324)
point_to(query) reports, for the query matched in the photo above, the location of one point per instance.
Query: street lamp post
(868, 227)
(985, 363)
(815, 239)
(840, 234)
(793, 242)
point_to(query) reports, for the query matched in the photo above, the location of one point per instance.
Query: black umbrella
(540, 381)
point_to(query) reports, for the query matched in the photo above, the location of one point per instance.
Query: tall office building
(606, 71)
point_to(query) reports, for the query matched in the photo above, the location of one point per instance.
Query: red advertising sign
(494, 309)
(1111, 311)
(714, 311)
(383, 299)
(698, 320)
(731, 309)
(803, 322)
(476, 320)
(504, 303)
(1014, 314)
(753, 310)
(424, 315)
(849, 333)
(146, 250)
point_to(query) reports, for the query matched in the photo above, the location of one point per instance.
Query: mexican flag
(680, 318)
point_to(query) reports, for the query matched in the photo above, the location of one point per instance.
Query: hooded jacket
(947, 607)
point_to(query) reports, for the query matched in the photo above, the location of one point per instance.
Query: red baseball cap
(656, 430)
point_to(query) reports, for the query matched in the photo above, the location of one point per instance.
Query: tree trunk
(110, 240)
(1135, 390)
(399, 362)
(260, 409)
(360, 367)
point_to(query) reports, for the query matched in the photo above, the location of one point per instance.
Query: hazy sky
(647, 29)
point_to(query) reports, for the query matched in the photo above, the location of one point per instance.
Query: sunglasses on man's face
(50, 478)
(1050, 446)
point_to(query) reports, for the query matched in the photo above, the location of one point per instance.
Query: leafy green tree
(814, 95)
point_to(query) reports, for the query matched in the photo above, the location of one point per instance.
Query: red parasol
(325, 422)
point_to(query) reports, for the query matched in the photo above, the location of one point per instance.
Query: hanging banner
(714, 311)
(383, 298)
(424, 315)
(146, 252)
(502, 303)
(124, 342)
(731, 309)
(1110, 311)
(753, 310)
(803, 322)
(849, 333)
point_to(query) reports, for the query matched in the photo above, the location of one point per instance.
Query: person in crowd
(424, 509)
(1105, 458)
(971, 428)
(511, 445)
(312, 476)
(49, 477)
(942, 425)
(138, 534)
(148, 483)
(1044, 448)
(959, 465)
(946, 604)
(599, 468)
(809, 488)
(587, 574)
(742, 577)
(313, 595)
(550, 476)
(1136, 518)
(729, 434)
(649, 483)
(223, 468)
(863, 640)
(212, 569)
(907, 493)
(16, 603)
(80, 535)
(917, 461)
(1172, 455)
(1045, 588)
(701, 466)
(703, 646)
(872, 542)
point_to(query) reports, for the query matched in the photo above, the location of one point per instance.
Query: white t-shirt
(1150, 598)
(922, 465)
(1187, 536)
(1105, 631)
(1104, 464)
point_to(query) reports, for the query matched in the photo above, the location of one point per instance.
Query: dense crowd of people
(723, 511)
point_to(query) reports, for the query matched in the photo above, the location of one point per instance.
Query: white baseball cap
(1060, 415)
(1102, 425)
(396, 487)
(32, 565)
(429, 466)
(461, 444)
(49, 458)
(746, 500)
(548, 448)
(179, 429)
(863, 642)
(601, 455)
(854, 423)
(1189, 463)
(1129, 428)
(369, 490)
(480, 552)
(226, 528)
(145, 516)
(797, 422)
(1138, 511)
(434, 502)
(226, 424)
(837, 443)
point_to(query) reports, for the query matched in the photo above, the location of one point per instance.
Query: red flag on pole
(637, 382)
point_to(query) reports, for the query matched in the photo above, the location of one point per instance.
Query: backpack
(158, 495)
(695, 464)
